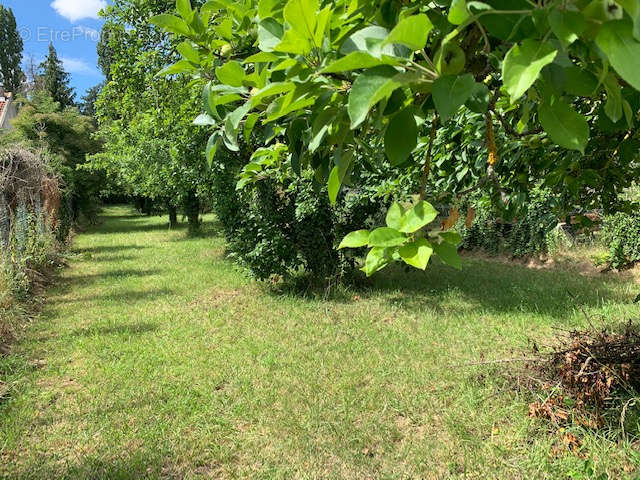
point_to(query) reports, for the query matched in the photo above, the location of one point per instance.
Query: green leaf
(395, 216)
(293, 42)
(320, 128)
(567, 25)
(212, 147)
(231, 73)
(231, 124)
(356, 61)
(181, 66)
(204, 120)
(266, 8)
(623, 51)
(451, 237)
(564, 125)
(451, 92)
(401, 137)
(412, 32)
(458, 12)
(417, 254)
(377, 259)
(301, 15)
(248, 126)
(386, 237)
(225, 29)
(632, 7)
(448, 253)
(523, 64)
(479, 100)
(613, 107)
(261, 57)
(270, 34)
(172, 24)
(580, 82)
(357, 239)
(370, 87)
(323, 20)
(334, 185)
(368, 40)
(187, 50)
(272, 89)
(184, 9)
(420, 215)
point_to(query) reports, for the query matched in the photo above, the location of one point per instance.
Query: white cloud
(79, 66)
(74, 10)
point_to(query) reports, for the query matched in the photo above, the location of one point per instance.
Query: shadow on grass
(126, 329)
(107, 248)
(208, 229)
(497, 287)
(127, 297)
(482, 285)
(67, 283)
(131, 466)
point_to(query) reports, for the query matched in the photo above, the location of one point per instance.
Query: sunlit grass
(156, 358)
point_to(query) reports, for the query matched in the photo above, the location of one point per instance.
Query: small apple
(603, 10)
(226, 50)
(450, 59)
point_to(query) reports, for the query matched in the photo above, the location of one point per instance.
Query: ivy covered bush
(621, 234)
(531, 232)
(279, 225)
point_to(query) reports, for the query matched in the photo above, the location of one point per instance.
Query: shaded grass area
(155, 358)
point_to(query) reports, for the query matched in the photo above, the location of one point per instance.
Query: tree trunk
(192, 209)
(139, 203)
(173, 216)
(148, 207)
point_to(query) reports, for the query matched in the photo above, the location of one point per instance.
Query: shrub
(532, 232)
(281, 226)
(621, 234)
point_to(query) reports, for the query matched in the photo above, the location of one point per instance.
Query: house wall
(10, 112)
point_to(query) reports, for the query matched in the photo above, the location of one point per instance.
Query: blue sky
(73, 27)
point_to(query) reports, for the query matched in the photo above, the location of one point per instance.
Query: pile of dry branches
(588, 372)
(593, 365)
(25, 177)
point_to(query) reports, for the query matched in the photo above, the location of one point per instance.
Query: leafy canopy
(329, 78)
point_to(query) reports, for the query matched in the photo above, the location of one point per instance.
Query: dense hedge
(283, 227)
(621, 234)
(531, 232)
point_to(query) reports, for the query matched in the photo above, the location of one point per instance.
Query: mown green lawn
(155, 358)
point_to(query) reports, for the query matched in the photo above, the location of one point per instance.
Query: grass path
(155, 358)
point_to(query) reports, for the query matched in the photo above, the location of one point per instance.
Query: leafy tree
(88, 105)
(55, 80)
(146, 122)
(11, 46)
(65, 137)
(340, 80)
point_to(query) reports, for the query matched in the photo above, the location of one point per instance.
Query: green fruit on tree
(450, 59)
(597, 12)
(226, 50)
(603, 11)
